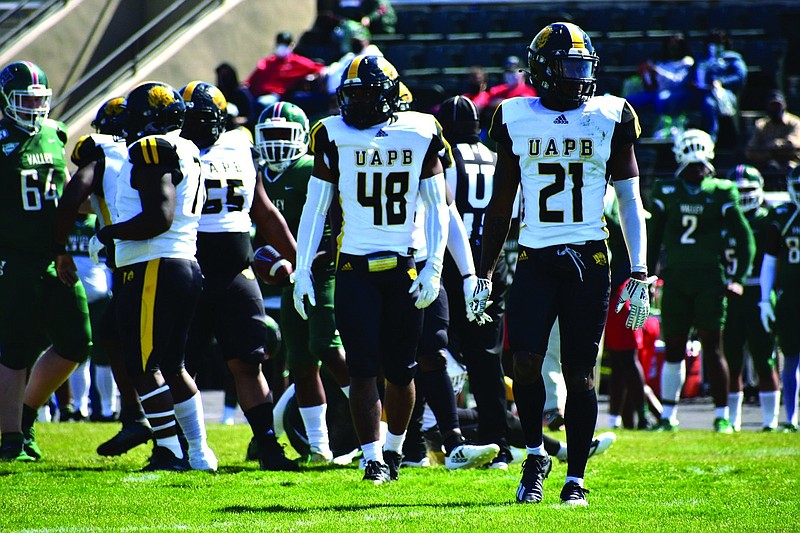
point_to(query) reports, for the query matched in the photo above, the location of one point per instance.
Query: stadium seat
(405, 55)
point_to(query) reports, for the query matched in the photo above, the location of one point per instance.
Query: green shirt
(758, 220)
(33, 171)
(786, 217)
(692, 227)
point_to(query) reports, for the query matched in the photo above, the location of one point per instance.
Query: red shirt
(504, 91)
(480, 99)
(276, 75)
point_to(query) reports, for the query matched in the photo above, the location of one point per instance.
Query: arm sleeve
(767, 278)
(458, 244)
(312, 220)
(436, 216)
(631, 216)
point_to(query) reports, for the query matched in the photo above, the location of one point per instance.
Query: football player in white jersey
(231, 307)
(159, 198)
(379, 161)
(99, 157)
(562, 149)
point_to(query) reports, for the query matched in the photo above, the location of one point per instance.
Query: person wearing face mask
(774, 146)
(513, 83)
(276, 76)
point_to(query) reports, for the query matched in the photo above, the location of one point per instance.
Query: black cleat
(503, 459)
(130, 436)
(574, 494)
(163, 459)
(272, 457)
(12, 450)
(535, 470)
(393, 461)
(376, 472)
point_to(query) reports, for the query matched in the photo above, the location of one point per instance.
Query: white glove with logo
(95, 246)
(767, 315)
(638, 293)
(428, 281)
(303, 287)
(479, 301)
(470, 283)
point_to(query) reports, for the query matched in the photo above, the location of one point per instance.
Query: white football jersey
(180, 240)
(562, 159)
(378, 171)
(115, 154)
(230, 182)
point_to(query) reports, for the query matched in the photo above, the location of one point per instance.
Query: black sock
(580, 418)
(261, 422)
(438, 391)
(455, 439)
(530, 406)
(131, 413)
(28, 417)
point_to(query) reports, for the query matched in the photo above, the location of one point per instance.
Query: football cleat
(470, 456)
(376, 472)
(203, 459)
(535, 470)
(601, 443)
(163, 459)
(272, 457)
(573, 494)
(789, 428)
(13, 450)
(393, 460)
(130, 436)
(317, 457)
(723, 425)
(503, 459)
(29, 444)
(665, 425)
(423, 462)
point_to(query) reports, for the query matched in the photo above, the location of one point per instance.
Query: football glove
(95, 246)
(767, 315)
(638, 293)
(428, 281)
(469, 290)
(479, 300)
(303, 287)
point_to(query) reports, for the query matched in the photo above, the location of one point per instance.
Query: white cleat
(470, 456)
(601, 443)
(203, 459)
(318, 457)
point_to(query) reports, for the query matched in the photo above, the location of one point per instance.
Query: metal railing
(38, 9)
(124, 60)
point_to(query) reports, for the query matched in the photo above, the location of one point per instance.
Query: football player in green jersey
(782, 256)
(33, 298)
(282, 142)
(689, 214)
(742, 323)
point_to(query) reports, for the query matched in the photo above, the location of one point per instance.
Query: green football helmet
(26, 94)
(750, 184)
(282, 135)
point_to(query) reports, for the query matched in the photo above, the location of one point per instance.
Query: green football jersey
(33, 170)
(786, 217)
(758, 220)
(288, 192)
(690, 225)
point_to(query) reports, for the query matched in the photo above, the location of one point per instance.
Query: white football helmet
(750, 184)
(693, 146)
(282, 135)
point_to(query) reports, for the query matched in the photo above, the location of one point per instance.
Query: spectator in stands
(235, 93)
(774, 146)
(377, 15)
(278, 75)
(476, 87)
(719, 77)
(514, 83)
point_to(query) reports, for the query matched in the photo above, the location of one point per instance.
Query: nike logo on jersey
(288, 188)
(561, 119)
(381, 133)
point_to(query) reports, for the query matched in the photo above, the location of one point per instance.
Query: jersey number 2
(394, 191)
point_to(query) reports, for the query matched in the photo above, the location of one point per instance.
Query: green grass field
(689, 481)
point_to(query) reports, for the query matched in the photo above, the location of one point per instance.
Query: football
(271, 267)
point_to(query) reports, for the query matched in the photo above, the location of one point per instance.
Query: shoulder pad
(629, 115)
(86, 151)
(153, 151)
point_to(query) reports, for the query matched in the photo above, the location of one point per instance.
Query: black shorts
(375, 314)
(155, 305)
(231, 308)
(107, 329)
(571, 282)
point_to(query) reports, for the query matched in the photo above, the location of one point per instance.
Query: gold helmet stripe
(187, 93)
(577, 35)
(352, 71)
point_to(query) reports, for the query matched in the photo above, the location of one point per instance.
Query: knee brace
(400, 375)
(527, 367)
(578, 378)
(432, 362)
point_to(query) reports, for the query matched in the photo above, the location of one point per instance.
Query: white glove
(303, 287)
(479, 301)
(767, 315)
(95, 246)
(638, 292)
(470, 283)
(428, 281)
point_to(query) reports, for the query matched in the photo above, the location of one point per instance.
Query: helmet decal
(159, 96)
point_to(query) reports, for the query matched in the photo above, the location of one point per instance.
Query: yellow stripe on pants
(148, 310)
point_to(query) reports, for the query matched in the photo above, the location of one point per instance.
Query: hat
(459, 118)
(284, 37)
(776, 96)
(511, 63)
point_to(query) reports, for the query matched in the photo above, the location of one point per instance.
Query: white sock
(317, 428)
(346, 391)
(614, 421)
(735, 401)
(536, 450)
(770, 407)
(106, 389)
(673, 376)
(394, 443)
(562, 451)
(722, 412)
(172, 444)
(189, 414)
(79, 383)
(372, 451)
(578, 480)
(428, 418)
